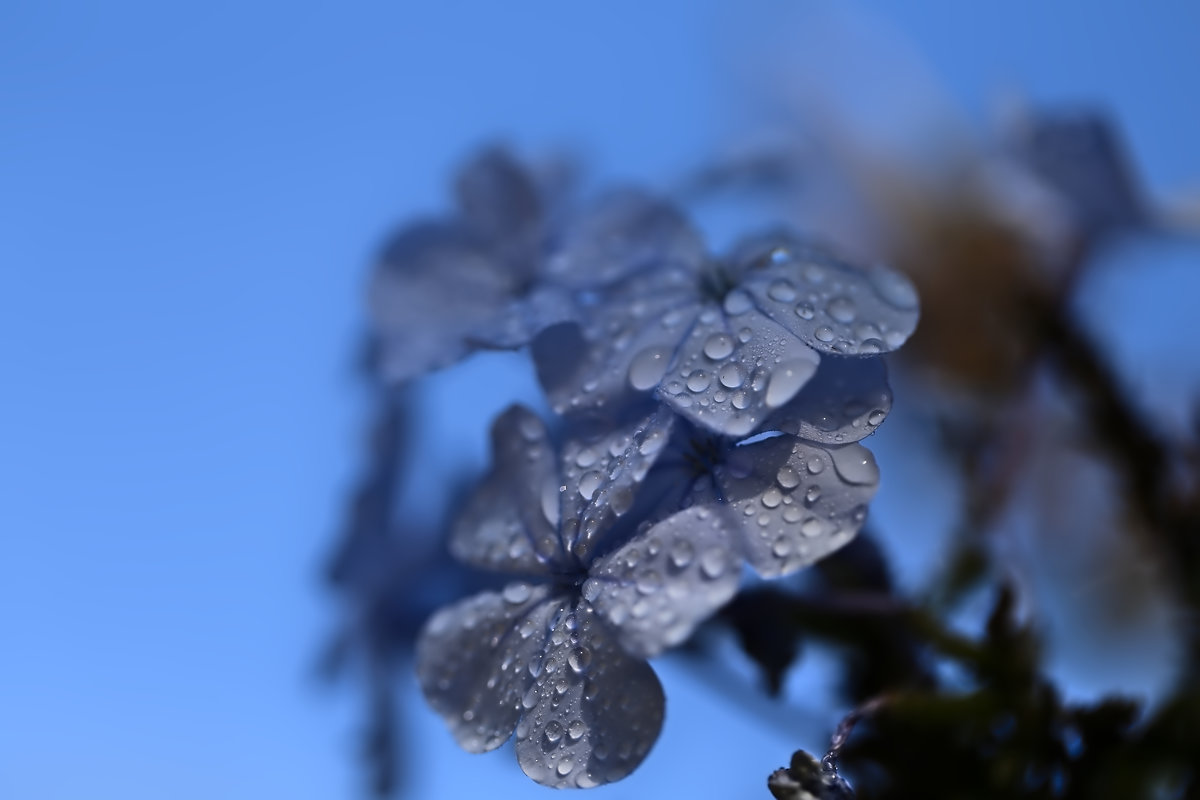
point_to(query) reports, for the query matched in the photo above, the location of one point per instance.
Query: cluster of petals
(711, 409)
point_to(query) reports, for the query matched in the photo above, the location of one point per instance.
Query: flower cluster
(710, 409)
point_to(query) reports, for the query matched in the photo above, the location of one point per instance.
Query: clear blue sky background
(188, 198)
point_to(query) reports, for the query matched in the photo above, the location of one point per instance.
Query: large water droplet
(894, 288)
(576, 729)
(682, 553)
(737, 302)
(699, 380)
(554, 731)
(855, 464)
(580, 659)
(713, 563)
(648, 368)
(788, 478)
(787, 378)
(718, 346)
(517, 593)
(841, 309)
(824, 334)
(731, 376)
(782, 291)
(589, 483)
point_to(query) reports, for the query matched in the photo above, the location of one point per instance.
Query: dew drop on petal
(824, 334)
(648, 368)
(554, 731)
(855, 465)
(517, 593)
(712, 563)
(787, 379)
(699, 380)
(782, 291)
(718, 346)
(841, 309)
(737, 302)
(589, 483)
(731, 376)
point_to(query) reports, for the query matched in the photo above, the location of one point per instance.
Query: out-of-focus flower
(562, 663)
(724, 342)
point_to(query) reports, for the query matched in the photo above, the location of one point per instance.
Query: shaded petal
(796, 502)
(498, 196)
(602, 474)
(659, 586)
(596, 711)
(510, 522)
(622, 234)
(624, 349)
(517, 323)
(845, 401)
(734, 366)
(432, 286)
(474, 658)
(831, 305)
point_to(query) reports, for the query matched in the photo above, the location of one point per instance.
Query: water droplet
(648, 368)
(812, 494)
(682, 553)
(788, 478)
(781, 547)
(791, 515)
(745, 335)
(718, 346)
(699, 380)
(713, 563)
(841, 309)
(531, 697)
(649, 582)
(876, 417)
(737, 302)
(554, 731)
(589, 483)
(805, 311)
(782, 291)
(731, 376)
(740, 400)
(591, 590)
(576, 729)
(894, 288)
(824, 334)
(517, 593)
(869, 346)
(787, 378)
(772, 497)
(653, 442)
(580, 659)
(815, 466)
(855, 464)
(811, 527)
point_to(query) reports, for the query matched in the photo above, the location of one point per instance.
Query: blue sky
(188, 200)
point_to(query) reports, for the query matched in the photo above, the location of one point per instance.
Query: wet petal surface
(594, 711)
(833, 306)
(602, 474)
(795, 502)
(474, 658)
(655, 589)
(510, 523)
(847, 400)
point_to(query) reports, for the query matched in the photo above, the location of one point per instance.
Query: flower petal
(734, 367)
(510, 523)
(624, 348)
(624, 233)
(474, 657)
(845, 401)
(832, 306)
(430, 289)
(796, 502)
(602, 474)
(655, 589)
(596, 711)
(497, 195)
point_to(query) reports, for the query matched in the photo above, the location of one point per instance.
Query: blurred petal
(624, 233)
(796, 502)
(430, 289)
(510, 523)
(734, 367)
(832, 306)
(497, 195)
(845, 401)
(596, 711)
(474, 657)
(655, 589)
(602, 473)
